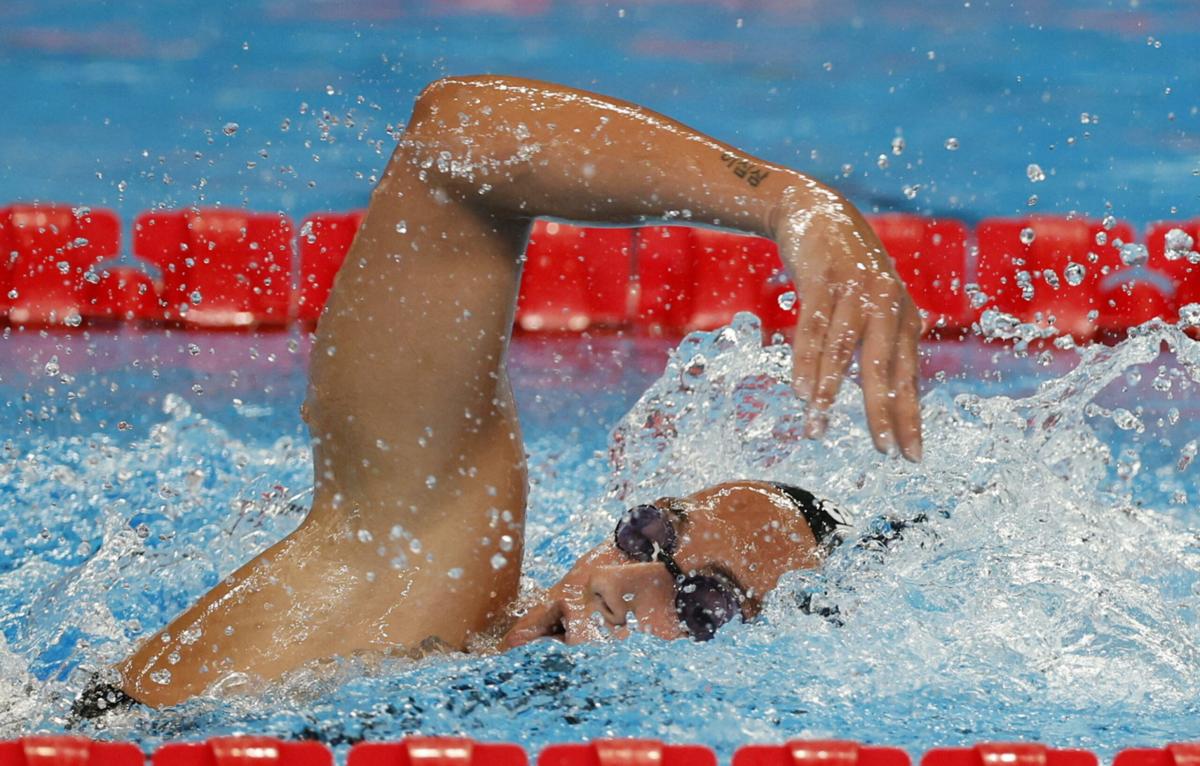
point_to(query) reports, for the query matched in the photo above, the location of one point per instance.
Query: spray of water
(1040, 580)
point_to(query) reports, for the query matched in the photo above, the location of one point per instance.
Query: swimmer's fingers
(876, 363)
(841, 339)
(816, 312)
(906, 406)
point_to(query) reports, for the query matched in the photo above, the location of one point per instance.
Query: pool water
(292, 106)
(1051, 594)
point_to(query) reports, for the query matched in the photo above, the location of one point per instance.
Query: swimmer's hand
(849, 294)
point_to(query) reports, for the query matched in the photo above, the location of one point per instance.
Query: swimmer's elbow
(440, 102)
(455, 119)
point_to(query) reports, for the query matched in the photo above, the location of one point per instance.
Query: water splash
(1049, 593)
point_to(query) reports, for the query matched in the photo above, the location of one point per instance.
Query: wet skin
(415, 434)
(749, 531)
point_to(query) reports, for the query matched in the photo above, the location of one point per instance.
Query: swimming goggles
(703, 602)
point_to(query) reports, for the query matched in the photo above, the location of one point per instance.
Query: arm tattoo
(753, 174)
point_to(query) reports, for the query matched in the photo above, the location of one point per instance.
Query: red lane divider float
(63, 750)
(1007, 754)
(436, 751)
(52, 250)
(575, 278)
(1171, 755)
(1180, 261)
(220, 268)
(68, 751)
(325, 238)
(627, 752)
(819, 753)
(243, 751)
(931, 258)
(233, 269)
(1042, 267)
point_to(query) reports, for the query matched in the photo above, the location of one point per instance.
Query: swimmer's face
(747, 532)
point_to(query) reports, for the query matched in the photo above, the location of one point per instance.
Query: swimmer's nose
(643, 589)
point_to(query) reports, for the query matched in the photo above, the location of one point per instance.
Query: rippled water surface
(1050, 594)
(1050, 591)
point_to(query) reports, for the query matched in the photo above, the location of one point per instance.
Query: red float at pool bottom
(325, 238)
(50, 253)
(575, 278)
(243, 751)
(68, 751)
(1179, 754)
(220, 268)
(1007, 754)
(627, 752)
(436, 751)
(1044, 266)
(819, 753)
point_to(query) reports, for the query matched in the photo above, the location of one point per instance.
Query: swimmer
(418, 462)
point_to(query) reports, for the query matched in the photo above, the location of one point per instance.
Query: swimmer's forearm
(522, 148)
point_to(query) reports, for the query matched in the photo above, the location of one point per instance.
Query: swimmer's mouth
(550, 623)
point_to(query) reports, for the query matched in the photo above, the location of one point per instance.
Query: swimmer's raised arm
(513, 148)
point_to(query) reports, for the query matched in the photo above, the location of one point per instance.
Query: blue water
(126, 104)
(1052, 596)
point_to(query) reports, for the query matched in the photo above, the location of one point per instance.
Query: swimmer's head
(677, 567)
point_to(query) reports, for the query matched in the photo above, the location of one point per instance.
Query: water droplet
(910, 191)
(430, 481)
(161, 677)
(195, 297)
(882, 161)
(12, 294)
(1109, 222)
(498, 561)
(787, 300)
(951, 144)
(1028, 235)
(1075, 272)
(1134, 254)
(401, 227)
(52, 367)
(231, 128)
(1189, 315)
(455, 574)
(365, 536)
(193, 349)
(1034, 173)
(1178, 244)
(506, 543)
(898, 145)
(414, 545)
